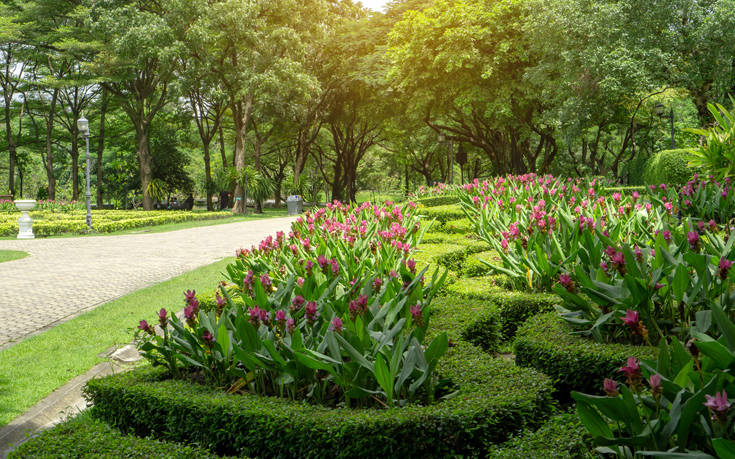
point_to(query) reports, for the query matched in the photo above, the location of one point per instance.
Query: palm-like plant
(258, 186)
(717, 154)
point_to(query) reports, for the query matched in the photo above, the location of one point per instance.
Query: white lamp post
(83, 126)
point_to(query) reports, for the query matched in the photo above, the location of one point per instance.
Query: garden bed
(495, 399)
(546, 344)
(85, 436)
(104, 221)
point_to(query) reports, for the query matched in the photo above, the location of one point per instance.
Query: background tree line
(324, 96)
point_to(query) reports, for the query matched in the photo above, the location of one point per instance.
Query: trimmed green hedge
(513, 307)
(443, 214)
(545, 343)
(474, 321)
(434, 201)
(460, 226)
(474, 266)
(668, 166)
(85, 436)
(438, 237)
(562, 437)
(495, 398)
(455, 259)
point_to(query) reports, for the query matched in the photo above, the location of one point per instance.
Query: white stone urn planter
(25, 222)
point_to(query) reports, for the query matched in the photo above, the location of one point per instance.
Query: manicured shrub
(574, 362)
(493, 399)
(460, 226)
(434, 201)
(435, 236)
(474, 266)
(455, 260)
(474, 321)
(477, 288)
(431, 253)
(85, 436)
(515, 307)
(562, 437)
(668, 166)
(443, 214)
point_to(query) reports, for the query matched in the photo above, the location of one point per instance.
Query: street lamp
(83, 126)
(660, 111)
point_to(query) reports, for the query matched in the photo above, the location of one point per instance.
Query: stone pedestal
(25, 222)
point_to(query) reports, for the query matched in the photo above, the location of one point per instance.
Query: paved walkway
(65, 276)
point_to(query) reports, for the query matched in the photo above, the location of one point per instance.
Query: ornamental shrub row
(443, 214)
(513, 307)
(562, 437)
(493, 399)
(545, 343)
(434, 201)
(85, 436)
(101, 224)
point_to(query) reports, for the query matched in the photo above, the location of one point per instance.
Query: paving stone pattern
(63, 277)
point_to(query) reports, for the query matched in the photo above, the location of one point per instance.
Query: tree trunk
(11, 149)
(241, 112)
(49, 151)
(74, 165)
(145, 161)
(208, 175)
(101, 148)
(222, 147)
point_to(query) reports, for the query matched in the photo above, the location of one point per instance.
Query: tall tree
(137, 60)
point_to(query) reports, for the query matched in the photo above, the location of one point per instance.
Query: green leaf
(725, 449)
(384, 377)
(592, 420)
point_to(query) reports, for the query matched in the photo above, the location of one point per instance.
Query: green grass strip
(10, 255)
(35, 367)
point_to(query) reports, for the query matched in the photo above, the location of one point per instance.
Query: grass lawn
(35, 367)
(10, 255)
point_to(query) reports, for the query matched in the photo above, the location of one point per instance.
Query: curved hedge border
(443, 214)
(85, 436)
(576, 363)
(563, 436)
(435, 201)
(495, 398)
(513, 307)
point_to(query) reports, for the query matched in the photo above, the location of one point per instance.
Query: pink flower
(631, 317)
(610, 387)
(290, 325)
(190, 295)
(693, 239)
(162, 318)
(300, 281)
(336, 325)
(281, 316)
(417, 315)
(566, 281)
(718, 403)
(146, 328)
(667, 235)
(655, 382)
(377, 283)
(724, 268)
(632, 368)
(208, 338)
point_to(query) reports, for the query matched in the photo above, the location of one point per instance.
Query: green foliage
(546, 343)
(484, 410)
(478, 288)
(85, 436)
(684, 409)
(435, 201)
(104, 221)
(563, 436)
(443, 214)
(668, 166)
(717, 155)
(474, 321)
(474, 266)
